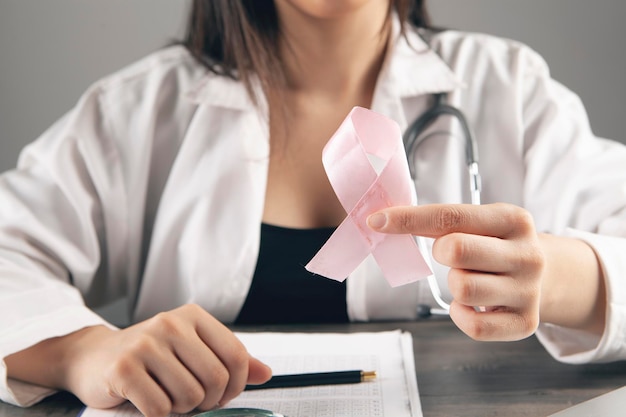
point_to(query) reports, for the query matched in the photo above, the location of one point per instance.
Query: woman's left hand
(495, 261)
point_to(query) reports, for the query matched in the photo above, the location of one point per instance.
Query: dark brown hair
(239, 38)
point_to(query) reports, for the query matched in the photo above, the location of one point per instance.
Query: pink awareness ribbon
(362, 190)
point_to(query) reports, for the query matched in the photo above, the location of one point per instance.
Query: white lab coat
(152, 188)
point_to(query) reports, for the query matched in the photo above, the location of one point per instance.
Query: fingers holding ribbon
(493, 250)
(495, 259)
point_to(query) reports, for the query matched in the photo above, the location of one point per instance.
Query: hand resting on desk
(174, 362)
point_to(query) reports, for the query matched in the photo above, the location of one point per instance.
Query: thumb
(258, 372)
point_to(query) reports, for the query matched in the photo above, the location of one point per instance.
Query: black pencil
(317, 378)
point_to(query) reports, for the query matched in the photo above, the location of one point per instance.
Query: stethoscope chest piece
(239, 412)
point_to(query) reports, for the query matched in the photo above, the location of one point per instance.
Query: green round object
(239, 412)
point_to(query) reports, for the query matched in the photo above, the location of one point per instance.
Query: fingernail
(377, 221)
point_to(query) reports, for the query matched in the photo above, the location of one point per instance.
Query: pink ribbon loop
(367, 168)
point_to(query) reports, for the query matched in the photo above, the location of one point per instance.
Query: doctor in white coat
(155, 185)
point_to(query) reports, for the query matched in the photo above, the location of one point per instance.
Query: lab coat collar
(411, 68)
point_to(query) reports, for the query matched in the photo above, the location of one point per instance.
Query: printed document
(393, 393)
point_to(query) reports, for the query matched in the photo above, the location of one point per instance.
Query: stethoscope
(413, 137)
(239, 412)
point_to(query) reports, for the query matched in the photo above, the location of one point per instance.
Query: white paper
(393, 393)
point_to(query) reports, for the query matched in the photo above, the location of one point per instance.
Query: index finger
(435, 220)
(232, 353)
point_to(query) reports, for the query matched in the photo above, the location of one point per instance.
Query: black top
(282, 291)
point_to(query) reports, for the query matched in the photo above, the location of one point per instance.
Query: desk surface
(455, 375)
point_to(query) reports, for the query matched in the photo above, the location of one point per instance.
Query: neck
(339, 55)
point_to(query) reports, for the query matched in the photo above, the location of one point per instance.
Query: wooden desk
(456, 375)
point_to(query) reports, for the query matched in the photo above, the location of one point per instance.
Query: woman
(177, 180)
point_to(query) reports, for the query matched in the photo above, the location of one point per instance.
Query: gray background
(50, 51)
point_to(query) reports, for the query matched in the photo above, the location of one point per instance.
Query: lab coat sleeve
(575, 185)
(53, 251)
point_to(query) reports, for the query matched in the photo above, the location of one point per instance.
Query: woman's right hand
(177, 361)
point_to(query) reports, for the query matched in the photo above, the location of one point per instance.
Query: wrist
(76, 352)
(573, 292)
(49, 363)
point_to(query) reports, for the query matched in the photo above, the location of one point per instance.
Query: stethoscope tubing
(412, 139)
